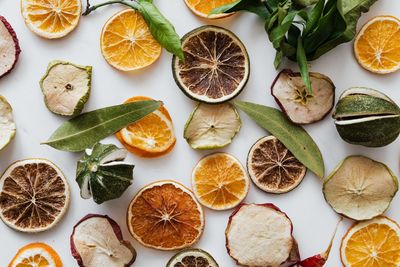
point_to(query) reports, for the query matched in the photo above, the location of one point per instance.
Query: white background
(313, 219)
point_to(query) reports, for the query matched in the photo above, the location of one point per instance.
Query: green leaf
(279, 33)
(314, 17)
(278, 59)
(87, 129)
(303, 65)
(254, 6)
(294, 137)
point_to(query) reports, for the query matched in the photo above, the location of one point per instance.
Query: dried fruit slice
(219, 181)
(360, 188)
(97, 241)
(36, 254)
(152, 136)
(7, 125)
(9, 47)
(290, 93)
(212, 126)
(192, 258)
(126, 42)
(372, 243)
(203, 8)
(165, 215)
(51, 18)
(216, 67)
(272, 167)
(66, 87)
(34, 195)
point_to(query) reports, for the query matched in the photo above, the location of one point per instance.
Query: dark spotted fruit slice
(34, 195)
(192, 258)
(216, 66)
(272, 167)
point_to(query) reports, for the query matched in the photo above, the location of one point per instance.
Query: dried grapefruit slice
(34, 195)
(36, 254)
(192, 257)
(165, 215)
(203, 8)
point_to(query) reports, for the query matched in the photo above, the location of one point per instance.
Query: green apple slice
(7, 125)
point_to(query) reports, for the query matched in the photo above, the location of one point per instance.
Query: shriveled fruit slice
(7, 125)
(219, 181)
(372, 243)
(126, 42)
(216, 67)
(34, 195)
(165, 215)
(97, 241)
(261, 235)
(9, 47)
(272, 167)
(51, 19)
(377, 45)
(193, 257)
(152, 136)
(36, 254)
(203, 8)
(360, 188)
(66, 87)
(289, 91)
(212, 126)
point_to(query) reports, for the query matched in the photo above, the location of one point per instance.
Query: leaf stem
(90, 9)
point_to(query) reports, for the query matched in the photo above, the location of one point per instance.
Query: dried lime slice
(360, 188)
(192, 258)
(212, 126)
(66, 87)
(7, 125)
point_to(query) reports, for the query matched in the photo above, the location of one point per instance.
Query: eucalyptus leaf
(254, 6)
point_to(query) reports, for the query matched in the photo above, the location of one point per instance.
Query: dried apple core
(192, 261)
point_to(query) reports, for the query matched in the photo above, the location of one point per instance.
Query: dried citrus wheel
(219, 181)
(126, 42)
(373, 243)
(377, 45)
(165, 215)
(36, 254)
(272, 167)
(151, 136)
(203, 8)
(216, 66)
(34, 195)
(51, 18)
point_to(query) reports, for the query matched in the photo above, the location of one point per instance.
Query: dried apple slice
(9, 47)
(7, 125)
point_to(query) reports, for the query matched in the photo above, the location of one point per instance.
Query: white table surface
(312, 217)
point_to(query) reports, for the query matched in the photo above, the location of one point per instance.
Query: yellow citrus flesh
(203, 8)
(377, 46)
(36, 255)
(126, 42)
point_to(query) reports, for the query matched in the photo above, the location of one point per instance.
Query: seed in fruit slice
(7, 125)
(377, 45)
(66, 87)
(51, 18)
(360, 188)
(219, 181)
(212, 126)
(290, 93)
(193, 257)
(9, 47)
(372, 243)
(97, 241)
(152, 136)
(34, 195)
(36, 254)
(126, 42)
(216, 67)
(165, 215)
(203, 8)
(272, 167)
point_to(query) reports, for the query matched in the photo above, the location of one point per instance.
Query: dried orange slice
(36, 254)
(377, 45)
(151, 136)
(202, 8)
(219, 181)
(165, 215)
(373, 243)
(126, 42)
(51, 18)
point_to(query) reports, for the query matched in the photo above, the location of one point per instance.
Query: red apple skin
(314, 261)
(16, 43)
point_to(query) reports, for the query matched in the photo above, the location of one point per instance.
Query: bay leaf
(294, 137)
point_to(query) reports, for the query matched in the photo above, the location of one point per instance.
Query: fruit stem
(90, 9)
(325, 254)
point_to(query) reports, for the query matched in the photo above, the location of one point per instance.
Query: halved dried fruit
(9, 47)
(36, 254)
(34, 195)
(360, 188)
(165, 215)
(203, 8)
(290, 92)
(193, 257)
(66, 87)
(272, 167)
(7, 125)
(212, 126)
(216, 66)
(97, 241)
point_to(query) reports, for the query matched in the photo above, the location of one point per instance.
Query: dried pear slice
(7, 125)
(9, 47)
(66, 87)
(192, 257)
